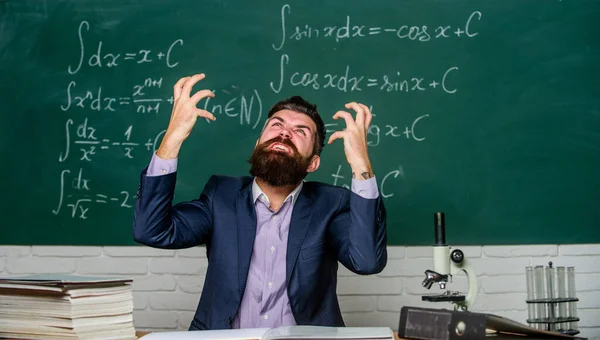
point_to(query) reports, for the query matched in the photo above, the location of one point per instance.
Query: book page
(226, 334)
(322, 332)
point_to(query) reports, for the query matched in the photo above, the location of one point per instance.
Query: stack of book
(66, 307)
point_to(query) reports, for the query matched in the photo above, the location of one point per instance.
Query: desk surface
(141, 334)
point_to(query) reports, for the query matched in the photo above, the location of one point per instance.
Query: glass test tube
(540, 293)
(562, 293)
(572, 305)
(531, 310)
(550, 295)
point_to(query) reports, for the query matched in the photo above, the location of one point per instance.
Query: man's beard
(278, 168)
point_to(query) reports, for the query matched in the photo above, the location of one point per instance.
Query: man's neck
(276, 195)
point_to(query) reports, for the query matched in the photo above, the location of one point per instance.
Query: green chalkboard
(486, 110)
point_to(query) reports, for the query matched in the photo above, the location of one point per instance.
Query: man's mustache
(278, 139)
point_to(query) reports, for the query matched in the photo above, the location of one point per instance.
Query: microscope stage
(448, 296)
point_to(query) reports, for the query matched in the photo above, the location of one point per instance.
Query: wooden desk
(141, 334)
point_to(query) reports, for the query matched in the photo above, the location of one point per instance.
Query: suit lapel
(301, 216)
(246, 223)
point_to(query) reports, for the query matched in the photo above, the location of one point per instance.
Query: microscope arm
(465, 266)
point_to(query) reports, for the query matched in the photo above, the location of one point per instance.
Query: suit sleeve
(358, 235)
(157, 223)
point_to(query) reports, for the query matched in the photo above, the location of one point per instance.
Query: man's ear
(315, 161)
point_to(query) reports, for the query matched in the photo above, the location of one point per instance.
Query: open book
(281, 333)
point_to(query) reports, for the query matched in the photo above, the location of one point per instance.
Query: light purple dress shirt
(265, 303)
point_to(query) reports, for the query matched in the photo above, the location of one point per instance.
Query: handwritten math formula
(85, 103)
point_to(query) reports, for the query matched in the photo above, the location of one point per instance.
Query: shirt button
(266, 316)
(276, 218)
(362, 193)
(272, 249)
(270, 284)
(164, 171)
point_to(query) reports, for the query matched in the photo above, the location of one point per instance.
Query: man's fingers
(346, 116)
(368, 115)
(360, 115)
(187, 86)
(206, 114)
(336, 135)
(198, 96)
(178, 86)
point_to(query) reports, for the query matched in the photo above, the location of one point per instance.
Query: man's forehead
(294, 118)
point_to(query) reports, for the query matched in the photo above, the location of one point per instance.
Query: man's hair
(298, 104)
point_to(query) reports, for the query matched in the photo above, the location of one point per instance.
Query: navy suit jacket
(328, 224)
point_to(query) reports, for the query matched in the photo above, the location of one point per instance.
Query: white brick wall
(168, 283)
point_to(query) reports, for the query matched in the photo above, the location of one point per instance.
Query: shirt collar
(257, 193)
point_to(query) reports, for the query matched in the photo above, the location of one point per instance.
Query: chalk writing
(349, 80)
(246, 107)
(79, 201)
(348, 28)
(89, 143)
(97, 100)
(341, 179)
(101, 58)
(376, 132)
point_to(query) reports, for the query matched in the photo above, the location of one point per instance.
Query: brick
(395, 252)
(154, 320)
(65, 251)
(501, 302)
(393, 303)
(585, 282)
(374, 319)
(516, 251)
(582, 264)
(357, 303)
(174, 301)
(589, 300)
(589, 317)
(11, 251)
(415, 267)
(184, 319)
(137, 251)
(500, 266)
(107, 265)
(369, 285)
(503, 284)
(579, 249)
(40, 265)
(394, 268)
(592, 333)
(191, 283)
(419, 252)
(192, 252)
(343, 271)
(140, 301)
(154, 282)
(178, 266)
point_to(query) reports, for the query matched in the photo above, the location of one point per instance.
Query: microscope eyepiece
(440, 228)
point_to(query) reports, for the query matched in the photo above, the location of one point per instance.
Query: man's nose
(285, 133)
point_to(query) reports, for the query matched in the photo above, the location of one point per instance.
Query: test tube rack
(552, 306)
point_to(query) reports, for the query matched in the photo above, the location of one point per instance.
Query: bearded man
(273, 240)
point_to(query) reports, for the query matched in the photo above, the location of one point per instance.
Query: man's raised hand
(355, 139)
(184, 115)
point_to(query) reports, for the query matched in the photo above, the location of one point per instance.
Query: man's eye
(276, 124)
(301, 132)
